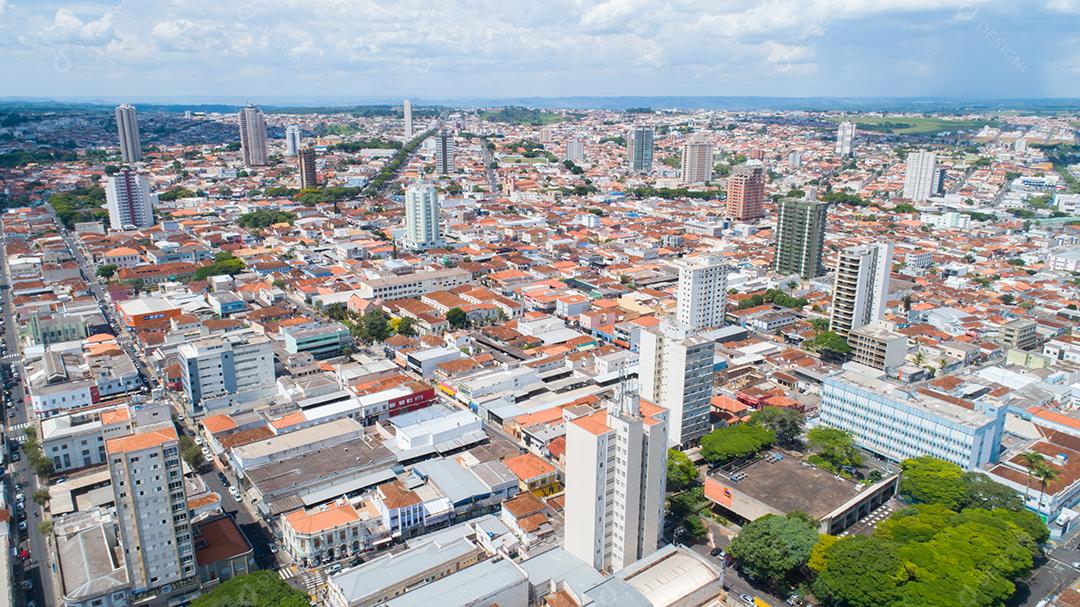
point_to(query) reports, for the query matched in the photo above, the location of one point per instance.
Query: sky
(547, 48)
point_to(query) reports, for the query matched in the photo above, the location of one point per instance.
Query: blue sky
(549, 48)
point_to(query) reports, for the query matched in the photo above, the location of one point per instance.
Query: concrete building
(861, 287)
(639, 149)
(800, 237)
(444, 153)
(309, 178)
(676, 371)
(899, 422)
(615, 489)
(702, 293)
(845, 139)
(127, 128)
(151, 507)
(216, 366)
(293, 140)
(253, 136)
(1020, 333)
(326, 534)
(415, 284)
(920, 176)
(321, 341)
(422, 227)
(875, 346)
(697, 162)
(575, 151)
(406, 110)
(746, 193)
(127, 195)
(91, 560)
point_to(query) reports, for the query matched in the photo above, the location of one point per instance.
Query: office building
(920, 175)
(308, 177)
(127, 196)
(899, 422)
(1020, 333)
(218, 366)
(697, 160)
(877, 347)
(422, 230)
(676, 372)
(293, 140)
(702, 293)
(639, 149)
(800, 237)
(861, 287)
(746, 193)
(127, 127)
(615, 488)
(444, 153)
(151, 507)
(321, 341)
(414, 284)
(575, 151)
(845, 140)
(406, 110)
(253, 136)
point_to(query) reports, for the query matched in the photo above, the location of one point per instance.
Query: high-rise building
(861, 287)
(800, 237)
(253, 136)
(676, 372)
(444, 153)
(547, 134)
(422, 229)
(127, 127)
(920, 175)
(127, 196)
(697, 162)
(575, 151)
(639, 149)
(746, 193)
(702, 293)
(293, 140)
(875, 346)
(216, 366)
(615, 488)
(845, 139)
(151, 507)
(406, 110)
(308, 177)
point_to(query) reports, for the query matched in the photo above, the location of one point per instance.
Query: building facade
(422, 227)
(127, 195)
(406, 110)
(800, 237)
(845, 139)
(746, 193)
(293, 140)
(127, 128)
(444, 153)
(675, 370)
(217, 366)
(920, 175)
(697, 162)
(861, 287)
(309, 178)
(253, 136)
(702, 292)
(639, 149)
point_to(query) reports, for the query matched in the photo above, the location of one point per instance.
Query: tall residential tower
(406, 109)
(422, 230)
(920, 176)
(127, 127)
(639, 149)
(127, 196)
(253, 136)
(697, 160)
(676, 371)
(746, 193)
(308, 177)
(293, 140)
(444, 153)
(845, 139)
(861, 287)
(702, 292)
(800, 237)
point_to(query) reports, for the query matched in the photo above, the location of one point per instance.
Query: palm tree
(1031, 461)
(1046, 475)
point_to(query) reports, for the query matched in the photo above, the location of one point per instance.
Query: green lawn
(912, 125)
(521, 160)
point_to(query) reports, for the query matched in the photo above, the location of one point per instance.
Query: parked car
(746, 598)
(233, 491)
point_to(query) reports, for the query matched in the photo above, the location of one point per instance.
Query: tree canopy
(732, 442)
(834, 449)
(224, 263)
(785, 423)
(258, 589)
(457, 318)
(264, 218)
(772, 548)
(681, 472)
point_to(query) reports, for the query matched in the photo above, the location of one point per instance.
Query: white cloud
(1064, 6)
(69, 28)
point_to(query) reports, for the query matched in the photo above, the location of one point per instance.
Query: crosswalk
(312, 581)
(17, 432)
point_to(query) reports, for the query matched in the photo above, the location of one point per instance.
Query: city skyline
(784, 49)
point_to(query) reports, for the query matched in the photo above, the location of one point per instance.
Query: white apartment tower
(444, 153)
(422, 229)
(845, 139)
(406, 110)
(697, 160)
(219, 366)
(615, 489)
(575, 151)
(861, 287)
(127, 127)
(151, 507)
(253, 136)
(639, 149)
(676, 372)
(127, 196)
(920, 175)
(293, 140)
(702, 293)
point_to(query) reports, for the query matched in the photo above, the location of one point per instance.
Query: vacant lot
(913, 125)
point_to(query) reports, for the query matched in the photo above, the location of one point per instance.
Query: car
(332, 569)
(199, 441)
(224, 480)
(1076, 564)
(22, 525)
(746, 598)
(20, 497)
(273, 548)
(233, 491)
(15, 456)
(27, 584)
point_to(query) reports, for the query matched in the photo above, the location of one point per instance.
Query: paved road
(1052, 574)
(37, 568)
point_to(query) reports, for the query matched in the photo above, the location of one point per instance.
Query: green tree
(694, 526)
(829, 341)
(406, 326)
(258, 589)
(457, 318)
(191, 452)
(786, 423)
(834, 448)
(1045, 474)
(860, 571)
(41, 496)
(375, 326)
(106, 271)
(930, 480)
(224, 263)
(1031, 460)
(264, 218)
(982, 492)
(45, 528)
(732, 442)
(681, 472)
(773, 548)
(819, 324)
